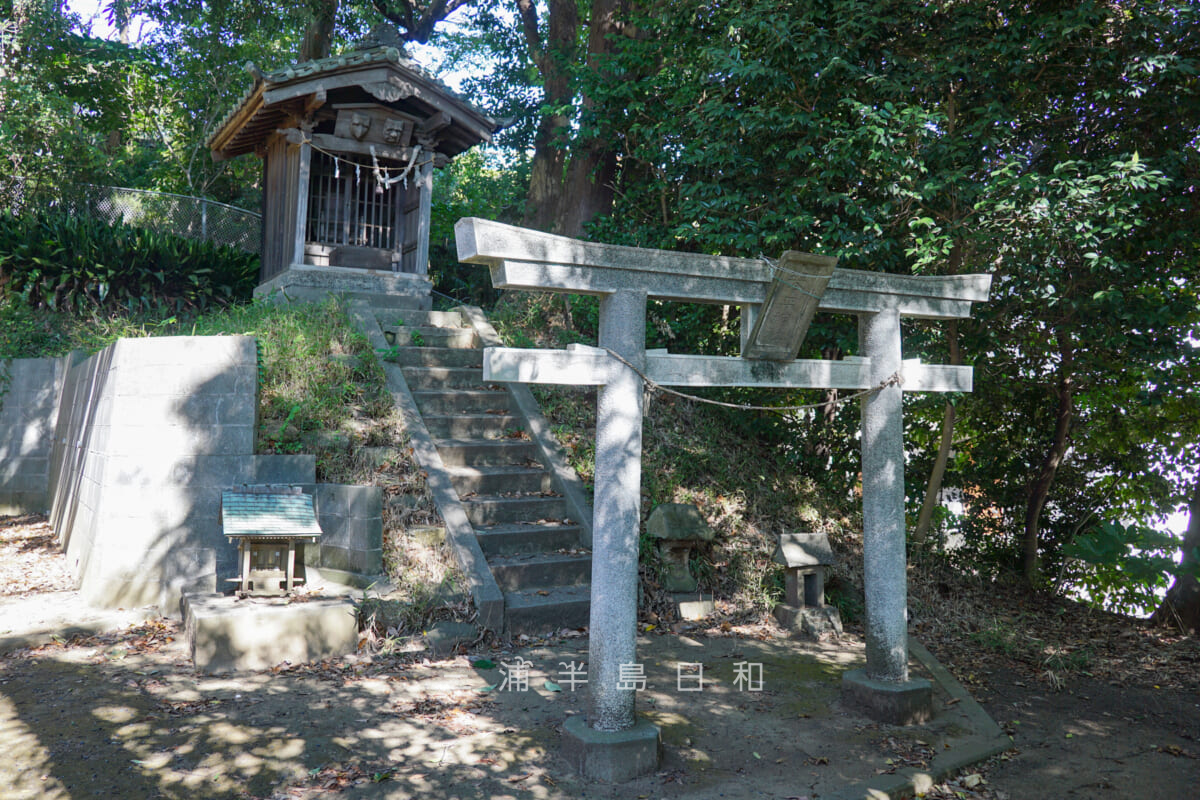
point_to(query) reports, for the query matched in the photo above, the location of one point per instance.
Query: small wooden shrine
(269, 524)
(349, 144)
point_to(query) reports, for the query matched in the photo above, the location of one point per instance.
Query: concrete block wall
(151, 431)
(351, 520)
(129, 450)
(29, 389)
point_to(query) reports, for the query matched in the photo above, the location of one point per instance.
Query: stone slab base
(907, 703)
(230, 635)
(337, 581)
(308, 283)
(808, 621)
(445, 637)
(690, 608)
(612, 757)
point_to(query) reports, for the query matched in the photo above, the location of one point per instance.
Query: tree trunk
(817, 446)
(589, 188)
(318, 35)
(554, 60)
(593, 169)
(1181, 608)
(934, 486)
(571, 181)
(1039, 490)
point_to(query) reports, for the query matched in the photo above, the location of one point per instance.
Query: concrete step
(493, 510)
(496, 480)
(445, 378)
(526, 611)
(502, 540)
(438, 357)
(493, 453)
(390, 304)
(462, 401)
(474, 426)
(435, 319)
(425, 336)
(540, 570)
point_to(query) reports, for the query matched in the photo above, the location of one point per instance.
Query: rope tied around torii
(895, 379)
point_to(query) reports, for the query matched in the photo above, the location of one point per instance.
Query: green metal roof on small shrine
(268, 515)
(378, 68)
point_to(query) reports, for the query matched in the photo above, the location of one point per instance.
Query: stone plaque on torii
(612, 743)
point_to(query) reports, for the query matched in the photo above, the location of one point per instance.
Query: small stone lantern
(679, 528)
(806, 557)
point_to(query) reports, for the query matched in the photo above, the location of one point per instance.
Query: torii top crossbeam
(523, 259)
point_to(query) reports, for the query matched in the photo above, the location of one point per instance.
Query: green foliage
(41, 333)
(1127, 566)
(488, 48)
(58, 261)
(476, 184)
(932, 139)
(64, 96)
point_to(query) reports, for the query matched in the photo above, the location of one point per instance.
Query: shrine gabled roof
(386, 73)
(268, 515)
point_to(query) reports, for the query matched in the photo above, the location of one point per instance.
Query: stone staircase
(495, 453)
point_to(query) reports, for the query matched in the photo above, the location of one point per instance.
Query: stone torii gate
(612, 743)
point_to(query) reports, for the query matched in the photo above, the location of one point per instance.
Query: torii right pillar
(884, 689)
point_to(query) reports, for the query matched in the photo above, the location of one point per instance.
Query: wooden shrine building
(349, 144)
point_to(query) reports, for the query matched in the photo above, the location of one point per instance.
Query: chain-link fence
(190, 217)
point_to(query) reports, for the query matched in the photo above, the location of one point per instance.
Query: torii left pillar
(612, 743)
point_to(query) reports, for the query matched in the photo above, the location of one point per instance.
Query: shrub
(50, 259)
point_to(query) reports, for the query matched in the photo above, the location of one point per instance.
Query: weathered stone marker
(805, 556)
(612, 744)
(782, 323)
(678, 527)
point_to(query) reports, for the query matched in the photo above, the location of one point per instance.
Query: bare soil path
(122, 714)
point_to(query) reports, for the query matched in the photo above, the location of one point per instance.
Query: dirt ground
(122, 714)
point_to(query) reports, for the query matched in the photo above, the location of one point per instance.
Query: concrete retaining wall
(129, 450)
(29, 389)
(351, 520)
(151, 431)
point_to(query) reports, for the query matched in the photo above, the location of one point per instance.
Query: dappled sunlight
(114, 714)
(125, 716)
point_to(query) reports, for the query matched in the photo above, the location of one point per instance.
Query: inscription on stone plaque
(796, 289)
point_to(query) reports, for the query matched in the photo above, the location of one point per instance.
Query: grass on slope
(723, 461)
